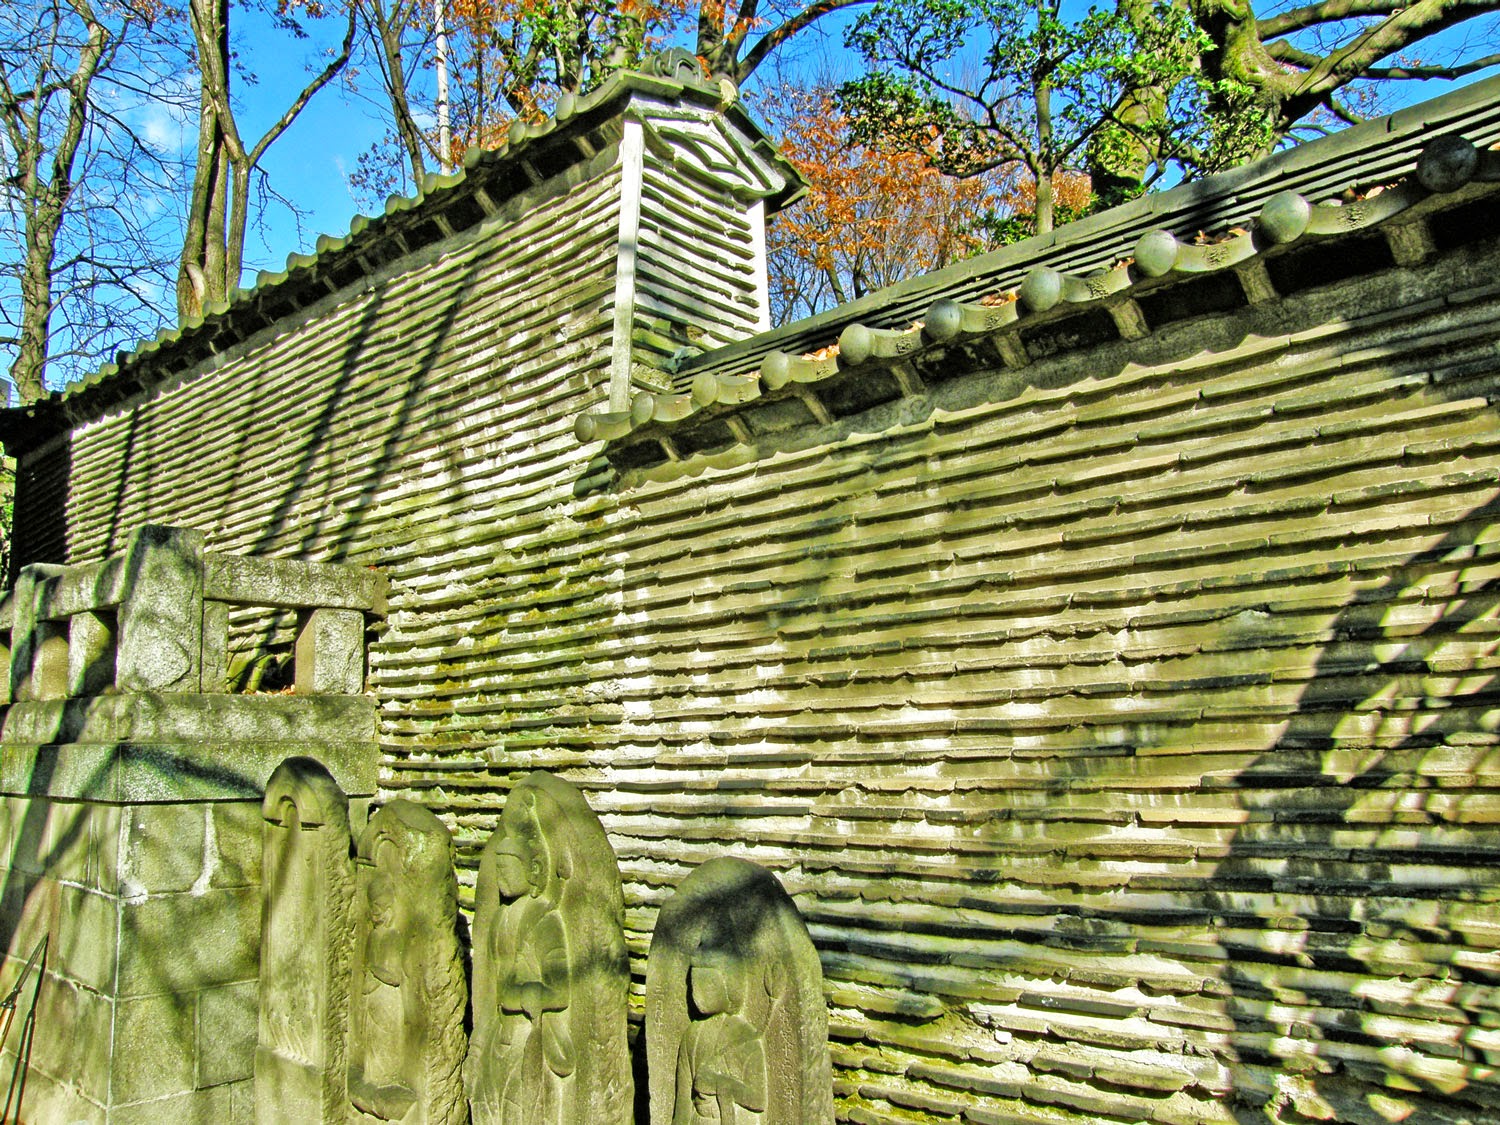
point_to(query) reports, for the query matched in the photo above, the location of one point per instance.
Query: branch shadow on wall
(1378, 808)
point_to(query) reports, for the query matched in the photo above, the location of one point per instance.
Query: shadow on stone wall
(1373, 820)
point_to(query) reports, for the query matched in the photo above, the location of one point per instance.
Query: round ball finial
(944, 320)
(1284, 217)
(776, 370)
(642, 408)
(1447, 164)
(855, 345)
(1156, 253)
(517, 132)
(567, 106)
(705, 388)
(1041, 289)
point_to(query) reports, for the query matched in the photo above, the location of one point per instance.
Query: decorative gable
(696, 183)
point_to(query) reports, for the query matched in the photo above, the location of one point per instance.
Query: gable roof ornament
(988, 299)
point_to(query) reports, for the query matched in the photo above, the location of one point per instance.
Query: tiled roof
(579, 131)
(1226, 230)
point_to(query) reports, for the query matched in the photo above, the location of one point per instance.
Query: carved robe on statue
(406, 1009)
(550, 973)
(736, 1023)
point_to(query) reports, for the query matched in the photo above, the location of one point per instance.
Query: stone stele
(406, 1034)
(551, 974)
(304, 953)
(736, 1022)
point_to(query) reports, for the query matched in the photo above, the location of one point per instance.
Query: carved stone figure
(551, 974)
(304, 955)
(406, 1035)
(736, 1023)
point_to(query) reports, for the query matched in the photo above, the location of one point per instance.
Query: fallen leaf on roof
(1203, 238)
(996, 300)
(822, 353)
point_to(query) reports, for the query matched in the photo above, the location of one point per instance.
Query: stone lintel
(162, 747)
(289, 584)
(85, 586)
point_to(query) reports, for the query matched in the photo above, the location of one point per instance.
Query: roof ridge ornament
(1445, 164)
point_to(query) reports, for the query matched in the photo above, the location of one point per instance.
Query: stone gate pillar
(130, 813)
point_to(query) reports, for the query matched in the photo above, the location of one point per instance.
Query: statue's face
(382, 889)
(510, 875)
(515, 864)
(710, 988)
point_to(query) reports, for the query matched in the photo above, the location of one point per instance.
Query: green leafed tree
(478, 65)
(1015, 82)
(1126, 92)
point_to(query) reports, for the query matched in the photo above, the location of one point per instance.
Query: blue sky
(311, 163)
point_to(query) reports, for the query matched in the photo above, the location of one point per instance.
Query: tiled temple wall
(1123, 725)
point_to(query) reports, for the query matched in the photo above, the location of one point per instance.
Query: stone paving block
(84, 945)
(30, 913)
(162, 849)
(237, 843)
(47, 1099)
(196, 1107)
(107, 823)
(71, 1042)
(67, 842)
(155, 1048)
(28, 834)
(227, 1018)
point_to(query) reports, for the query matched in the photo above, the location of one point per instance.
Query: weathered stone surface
(307, 888)
(736, 1023)
(330, 654)
(1213, 608)
(160, 628)
(39, 648)
(406, 1033)
(91, 653)
(550, 970)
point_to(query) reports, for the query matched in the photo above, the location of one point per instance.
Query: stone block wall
(1118, 711)
(131, 820)
(154, 913)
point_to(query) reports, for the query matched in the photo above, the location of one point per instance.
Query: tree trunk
(1043, 167)
(215, 243)
(1119, 155)
(203, 277)
(388, 28)
(1248, 86)
(36, 304)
